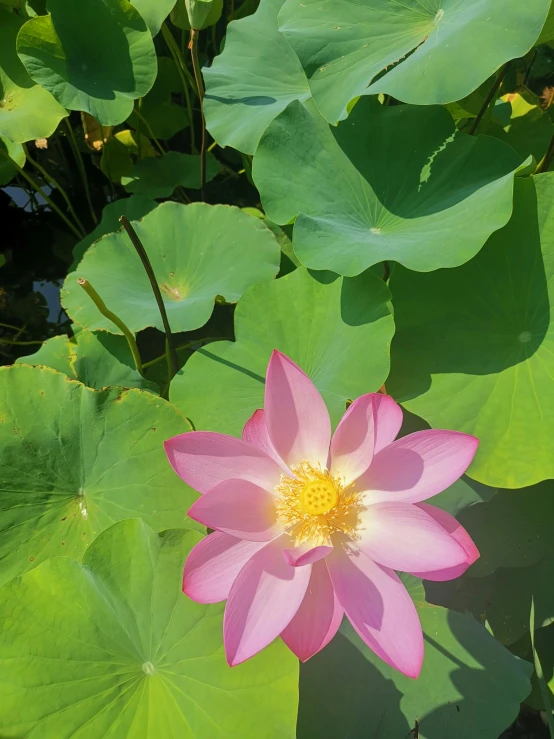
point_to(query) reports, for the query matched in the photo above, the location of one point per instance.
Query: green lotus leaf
(154, 12)
(426, 53)
(164, 117)
(366, 192)
(470, 685)
(477, 354)
(197, 252)
(134, 208)
(11, 156)
(27, 111)
(338, 330)
(180, 16)
(92, 55)
(252, 81)
(112, 648)
(97, 360)
(157, 177)
(512, 529)
(76, 460)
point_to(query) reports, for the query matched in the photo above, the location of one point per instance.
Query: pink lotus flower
(310, 527)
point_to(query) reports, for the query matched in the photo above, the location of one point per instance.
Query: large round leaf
(470, 685)
(97, 360)
(74, 460)
(197, 252)
(112, 648)
(338, 330)
(367, 191)
(27, 111)
(434, 52)
(477, 354)
(252, 81)
(92, 55)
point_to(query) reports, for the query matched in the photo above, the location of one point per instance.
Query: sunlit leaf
(118, 651)
(197, 252)
(366, 191)
(426, 53)
(76, 460)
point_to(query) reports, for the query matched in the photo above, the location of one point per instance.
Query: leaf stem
(540, 675)
(104, 310)
(489, 98)
(19, 343)
(193, 46)
(183, 71)
(172, 361)
(544, 163)
(81, 168)
(142, 119)
(47, 199)
(188, 345)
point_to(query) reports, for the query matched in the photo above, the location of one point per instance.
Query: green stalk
(489, 98)
(540, 675)
(99, 303)
(81, 168)
(193, 46)
(188, 345)
(544, 163)
(51, 203)
(172, 361)
(183, 71)
(142, 119)
(56, 184)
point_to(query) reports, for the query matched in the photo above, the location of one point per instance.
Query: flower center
(314, 505)
(318, 497)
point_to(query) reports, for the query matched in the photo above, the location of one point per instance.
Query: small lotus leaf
(252, 81)
(157, 177)
(92, 55)
(197, 252)
(27, 111)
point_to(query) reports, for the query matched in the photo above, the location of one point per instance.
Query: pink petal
(263, 600)
(388, 420)
(353, 441)
(296, 415)
(213, 565)
(203, 459)
(457, 531)
(405, 537)
(255, 432)
(417, 466)
(305, 555)
(317, 620)
(379, 608)
(238, 508)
